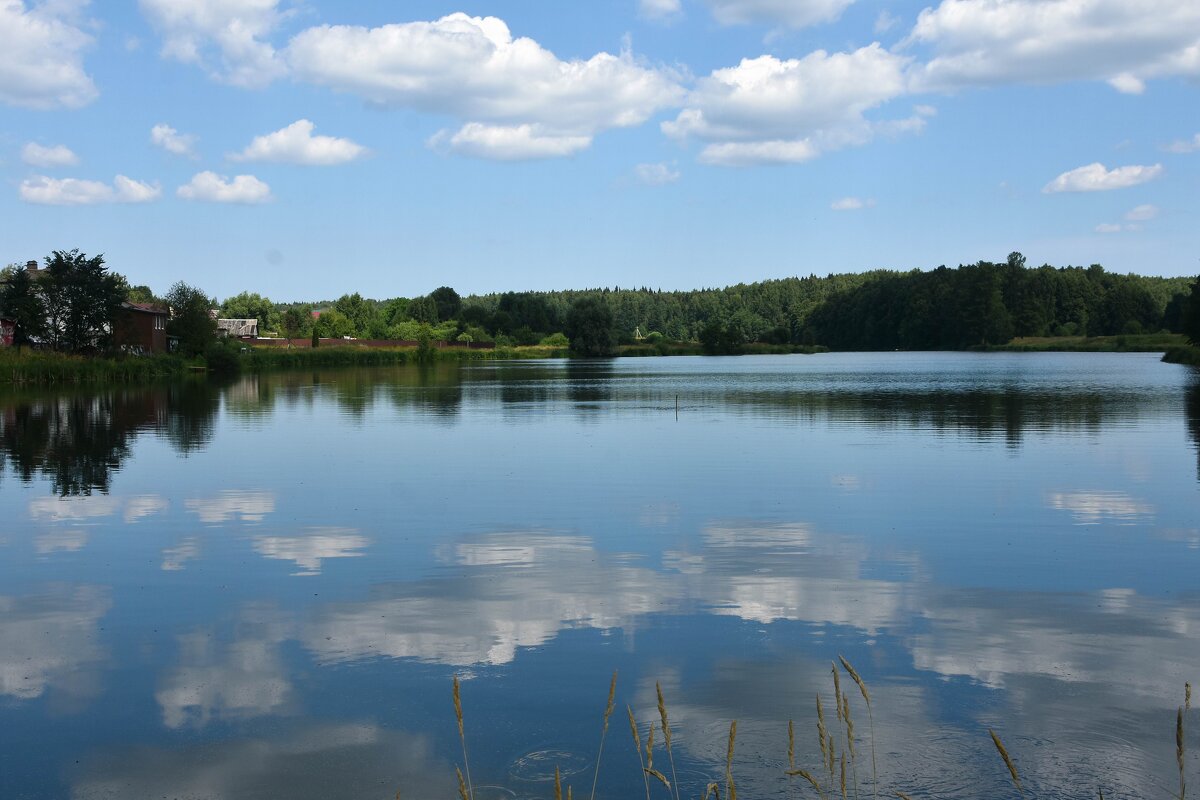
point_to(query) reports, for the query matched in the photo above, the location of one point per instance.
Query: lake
(264, 589)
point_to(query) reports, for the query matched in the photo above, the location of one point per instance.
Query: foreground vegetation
(840, 744)
(1135, 343)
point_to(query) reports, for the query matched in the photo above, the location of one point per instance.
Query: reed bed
(836, 776)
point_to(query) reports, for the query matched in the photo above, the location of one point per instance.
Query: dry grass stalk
(1179, 752)
(462, 787)
(1008, 762)
(666, 726)
(608, 709)
(837, 690)
(832, 754)
(791, 745)
(1187, 697)
(712, 790)
(569, 795)
(637, 745)
(650, 748)
(843, 776)
(557, 784)
(862, 687)
(803, 773)
(462, 737)
(656, 774)
(730, 788)
(903, 796)
(822, 732)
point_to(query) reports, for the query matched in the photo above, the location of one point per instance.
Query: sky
(303, 149)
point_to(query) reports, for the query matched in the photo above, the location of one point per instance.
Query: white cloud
(48, 639)
(41, 56)
(1108, 227)
(295, 144)
(656, 174)
(1184, 145)
(508, 142)
(514, 96)
(852, 204)
(1141, 213)
(171, 140)
(76, 192)
(766, 110)
(240, 504)
(985, 42)
(59, 155)
(225, 37)
(1097, 178)
(789, 13)
(659, 9)
(1091, 508)
(214, 188)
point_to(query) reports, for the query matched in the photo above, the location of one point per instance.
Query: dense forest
(945, 308)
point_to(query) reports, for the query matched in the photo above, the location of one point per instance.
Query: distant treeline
(983, 304)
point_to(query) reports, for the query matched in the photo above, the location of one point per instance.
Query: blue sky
(307, 148)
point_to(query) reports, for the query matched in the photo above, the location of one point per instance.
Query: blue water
(264, 589)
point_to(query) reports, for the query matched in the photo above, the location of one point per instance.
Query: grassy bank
(1183, 354)
(1125, 343)
(39, 367)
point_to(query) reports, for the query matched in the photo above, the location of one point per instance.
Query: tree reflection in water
(77, 441)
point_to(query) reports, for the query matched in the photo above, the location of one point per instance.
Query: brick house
(141, 329)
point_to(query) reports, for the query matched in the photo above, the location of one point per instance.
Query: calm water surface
(262, 590)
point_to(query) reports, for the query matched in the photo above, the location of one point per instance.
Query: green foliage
(590, 327)
(251, 305)
(23, 304)
(426, 351)
(423, 309)
(82, 299)
(556, 340)
(316, 340)
(190, 319)
(332, 324)
(365, 318)
(221, 357)
(295, 323)
(1191, 315)
(142, 294)
(447, 301)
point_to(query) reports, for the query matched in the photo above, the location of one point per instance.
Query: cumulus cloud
(58, 155)
(1184, 145)
(214, 188)
(514, 97)
(171, 140)
(789, 13)
(766, 110)
(659, 9)
(987, 42)
(41, 56)
(295, 144)
(508, 142)
(76, 192)
(1097, 178)
(225, 37)
(47, 640)
(656, 174)
(852, 204)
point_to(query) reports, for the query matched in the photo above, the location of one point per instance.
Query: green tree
(447, 301)
(1191, 315)
(362, 314)
(82, 300)
(423, 309)
(590, 327)
(295, 322)
(190, 322)
(142, 294)
(332, 324)
(22, 303)
(250, 305)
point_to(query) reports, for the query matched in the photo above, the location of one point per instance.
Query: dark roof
(146, 308)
